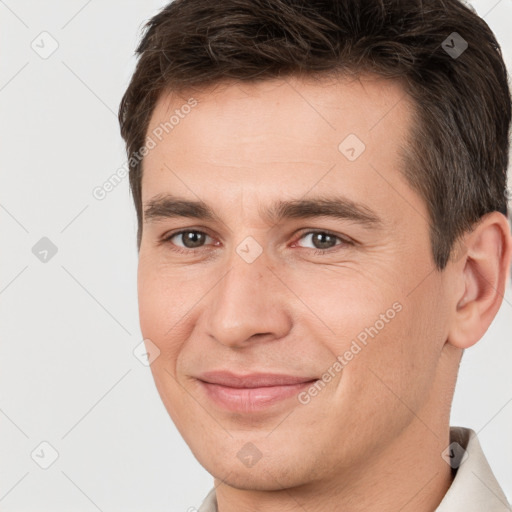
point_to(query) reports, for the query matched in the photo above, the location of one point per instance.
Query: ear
(481, 276)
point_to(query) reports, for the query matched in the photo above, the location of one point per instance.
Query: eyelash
(167, 240)
(344, 241)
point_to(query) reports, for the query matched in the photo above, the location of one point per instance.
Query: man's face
(247, 292)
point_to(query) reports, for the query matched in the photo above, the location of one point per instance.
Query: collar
(474, 487)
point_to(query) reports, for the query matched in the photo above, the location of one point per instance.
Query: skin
(372, 438)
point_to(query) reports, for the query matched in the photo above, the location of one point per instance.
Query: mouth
(253, 392)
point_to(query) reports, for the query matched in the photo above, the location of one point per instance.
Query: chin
(266, 475)
(257, 480)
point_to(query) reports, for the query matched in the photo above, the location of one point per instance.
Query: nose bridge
(244, 303)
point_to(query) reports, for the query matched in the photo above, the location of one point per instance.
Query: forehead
(288, 131)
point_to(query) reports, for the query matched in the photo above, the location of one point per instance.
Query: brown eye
(321, 240)
(190, 239)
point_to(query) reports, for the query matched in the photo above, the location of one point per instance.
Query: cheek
(153, 304)
(159, 313)
(342, 304)
(400, 363)
(165, 295)
(162, 312)
(389, 339)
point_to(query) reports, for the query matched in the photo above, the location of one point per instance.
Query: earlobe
(484, 273)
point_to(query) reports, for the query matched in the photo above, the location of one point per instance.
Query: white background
(69, 326)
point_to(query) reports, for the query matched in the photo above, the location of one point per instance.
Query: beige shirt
(474, 488)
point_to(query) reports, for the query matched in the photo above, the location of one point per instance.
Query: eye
(188, 239)
(322, 240)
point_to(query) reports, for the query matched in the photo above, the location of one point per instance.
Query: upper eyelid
(309, 231)
(172, 234)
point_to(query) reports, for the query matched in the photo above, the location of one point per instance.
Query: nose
(248, 304)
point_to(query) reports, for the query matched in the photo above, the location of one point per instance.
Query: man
(320, 190)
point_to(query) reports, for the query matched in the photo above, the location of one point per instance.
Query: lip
(252, 392)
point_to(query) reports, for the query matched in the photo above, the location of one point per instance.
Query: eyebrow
(339, 207)
(168, 206)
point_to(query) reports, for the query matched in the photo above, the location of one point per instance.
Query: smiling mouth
(251, 393)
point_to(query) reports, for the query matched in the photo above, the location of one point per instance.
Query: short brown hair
(457, 157)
